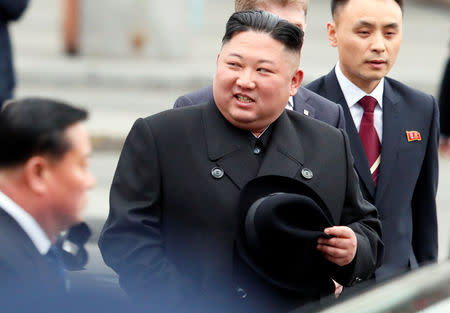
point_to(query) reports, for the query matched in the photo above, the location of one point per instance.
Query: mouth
(243, 98)
(377, 64)
(377, 61)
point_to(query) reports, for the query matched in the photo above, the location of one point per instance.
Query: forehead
(78, 138)
(253, 43)
(292, 12)
(372, 11)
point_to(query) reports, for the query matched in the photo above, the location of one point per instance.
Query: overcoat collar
(228, 146)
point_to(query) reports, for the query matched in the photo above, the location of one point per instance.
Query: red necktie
(369, 136)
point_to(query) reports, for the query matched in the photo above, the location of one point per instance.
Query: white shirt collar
(27, 223)
(353, 93)
(290, 104)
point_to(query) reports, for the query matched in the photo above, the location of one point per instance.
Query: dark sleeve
(425, 235)
(182, 101)
(362, 218)
(444, 102)
(12, 9)
(131, 241)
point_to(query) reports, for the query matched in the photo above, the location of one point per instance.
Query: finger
(333, 251)
(339, 231)
(340, 259)
(336, 242)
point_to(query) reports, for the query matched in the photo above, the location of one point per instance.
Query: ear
(296, 81)
(331, 31)
(36, 171)
(217, 60)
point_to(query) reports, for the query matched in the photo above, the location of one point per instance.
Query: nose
(90, 180)
(378, 43)
(245, 80)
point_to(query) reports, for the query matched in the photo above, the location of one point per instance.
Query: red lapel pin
(413, 135)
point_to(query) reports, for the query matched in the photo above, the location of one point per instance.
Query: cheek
(352, 46)
(394, 49)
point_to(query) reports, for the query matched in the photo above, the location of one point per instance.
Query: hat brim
(292, 262)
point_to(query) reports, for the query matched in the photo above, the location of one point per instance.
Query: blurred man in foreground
(44, 177)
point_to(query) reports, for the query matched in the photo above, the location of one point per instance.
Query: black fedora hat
(281, 219)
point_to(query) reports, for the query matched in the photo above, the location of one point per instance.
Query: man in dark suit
(43, 182)
(402, 124)
(9, 11)
(304, 101)
(174, 198)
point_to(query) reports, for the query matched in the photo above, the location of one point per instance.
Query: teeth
(244, 99)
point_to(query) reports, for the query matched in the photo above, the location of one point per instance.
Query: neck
(31, 204)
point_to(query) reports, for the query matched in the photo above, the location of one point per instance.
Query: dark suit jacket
(444, 101)
(407, 182)
(306, 102)
(9, 11)
(171, 227)
(28, 282)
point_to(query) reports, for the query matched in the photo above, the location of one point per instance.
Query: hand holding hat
(341, 248)
(281, 221)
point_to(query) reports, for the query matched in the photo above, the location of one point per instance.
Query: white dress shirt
(27, 223)
(353, 94)
(290, 104)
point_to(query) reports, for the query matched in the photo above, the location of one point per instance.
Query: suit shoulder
(301, 121)
(412, 95)
(318, 98)
(195, 97)
(316, 84)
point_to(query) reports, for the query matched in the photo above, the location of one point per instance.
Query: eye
(390, 33)
(263, 70)
(233, 64)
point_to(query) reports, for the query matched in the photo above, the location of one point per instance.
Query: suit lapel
(227, 146)
(284, 154)
(391, 136)
(301, 103)
(34, 266)
(334, 93)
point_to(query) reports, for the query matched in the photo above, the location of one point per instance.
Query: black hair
(290, 35)
(337, 3)
(35, 126)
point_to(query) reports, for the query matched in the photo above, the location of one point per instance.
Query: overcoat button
(257, 150)
(217, 172)
(307, 173)
(241, 293)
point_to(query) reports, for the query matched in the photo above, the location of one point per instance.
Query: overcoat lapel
(334, 93)
(227, 146)
(284, 155)
(389, 148)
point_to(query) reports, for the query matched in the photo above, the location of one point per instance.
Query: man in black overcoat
(173, 221)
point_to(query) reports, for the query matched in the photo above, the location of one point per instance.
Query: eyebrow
(235, 55)
(368, 24)
(259, 61)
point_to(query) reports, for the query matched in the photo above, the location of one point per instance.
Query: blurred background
(125, 59)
